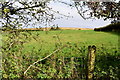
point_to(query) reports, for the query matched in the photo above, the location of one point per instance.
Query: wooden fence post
(91, 62)
(72, 66)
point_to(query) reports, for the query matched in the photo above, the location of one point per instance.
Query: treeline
(112, 27)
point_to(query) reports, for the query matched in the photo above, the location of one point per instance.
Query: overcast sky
(76, 20)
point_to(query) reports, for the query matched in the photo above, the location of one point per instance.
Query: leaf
(103, 72)
(6, 10)
(19, 25)
(33, 14)
(5, 76)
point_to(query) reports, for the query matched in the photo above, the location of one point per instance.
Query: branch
(43, 59)
(66, 3)
(80, 13)
(29, 7)
(57, 12)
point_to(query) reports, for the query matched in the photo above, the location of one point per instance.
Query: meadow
(68, 62)
(48, 39)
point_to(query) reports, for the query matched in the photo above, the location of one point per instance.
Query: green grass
(47, 40)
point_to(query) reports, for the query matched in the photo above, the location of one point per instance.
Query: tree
(96, 9)
(16, 13)
(105, 10)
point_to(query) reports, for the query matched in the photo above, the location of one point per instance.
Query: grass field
(68, 62)
(48, 39)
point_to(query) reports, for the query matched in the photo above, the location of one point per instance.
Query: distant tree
(57, 27)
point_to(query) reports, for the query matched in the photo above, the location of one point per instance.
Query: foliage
(61, 64)
(17, 15)
(55, 27)
(21, 13)
(105, 10)
(112, 27)
(67, 63)
(91, 9)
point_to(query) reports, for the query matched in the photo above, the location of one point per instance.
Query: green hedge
(111, 27)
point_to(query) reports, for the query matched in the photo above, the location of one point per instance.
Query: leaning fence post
(91, 62)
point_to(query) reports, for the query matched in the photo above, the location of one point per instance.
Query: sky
(75, 20)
